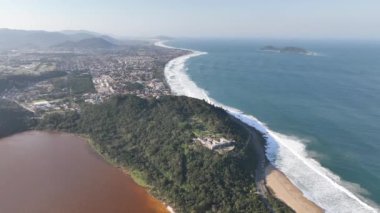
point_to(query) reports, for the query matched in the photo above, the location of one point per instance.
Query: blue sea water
(329, 102)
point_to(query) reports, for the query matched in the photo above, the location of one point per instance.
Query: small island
(292, 50)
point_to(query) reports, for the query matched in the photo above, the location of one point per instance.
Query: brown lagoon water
(54, 172)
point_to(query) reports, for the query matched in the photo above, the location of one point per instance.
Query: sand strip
(286, 191)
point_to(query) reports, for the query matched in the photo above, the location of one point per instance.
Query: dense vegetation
(153, 139)
(22, 81)
(13, 118)
(132, 86)
(79, 83)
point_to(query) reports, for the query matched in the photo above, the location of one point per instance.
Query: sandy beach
(286, 191)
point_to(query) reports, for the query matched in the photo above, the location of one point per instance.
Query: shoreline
(318, 184)
(92, 146)
(125, 170)
(297, 201)
(273, 176)
(282, 188)
(83, 142)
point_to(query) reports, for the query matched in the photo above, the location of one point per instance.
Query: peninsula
(188, 153)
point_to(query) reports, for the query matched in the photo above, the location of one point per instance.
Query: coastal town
(59, 79)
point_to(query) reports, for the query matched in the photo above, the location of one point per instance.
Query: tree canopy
(153, 140)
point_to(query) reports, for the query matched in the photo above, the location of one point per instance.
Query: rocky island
(292, 50)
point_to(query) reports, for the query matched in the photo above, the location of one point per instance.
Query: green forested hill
(13, 118)
(153, 140)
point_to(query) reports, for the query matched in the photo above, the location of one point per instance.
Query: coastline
(274, 178)
(317, 183)
(116, 185)
(271, 171)
(287, 153)
(281, 187)
(125, 170)
(89, 141)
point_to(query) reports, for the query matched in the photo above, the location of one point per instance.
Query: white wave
(310, 53)
(287, 153)
(162, 44)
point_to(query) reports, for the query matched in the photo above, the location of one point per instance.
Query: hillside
(89, 43)
(16, 39)
(153, 139)
(12, 39)
(13, 118)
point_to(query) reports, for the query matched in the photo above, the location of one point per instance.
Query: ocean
(321, 113)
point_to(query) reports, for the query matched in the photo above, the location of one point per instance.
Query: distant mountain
(73, 32)
(89, 34)
(89, 43)
(16, 39)
(13, 39)
(81, 34)
(113, 40)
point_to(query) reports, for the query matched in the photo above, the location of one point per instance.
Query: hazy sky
(199, 18)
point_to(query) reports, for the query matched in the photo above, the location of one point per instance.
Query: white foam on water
(287, 153)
